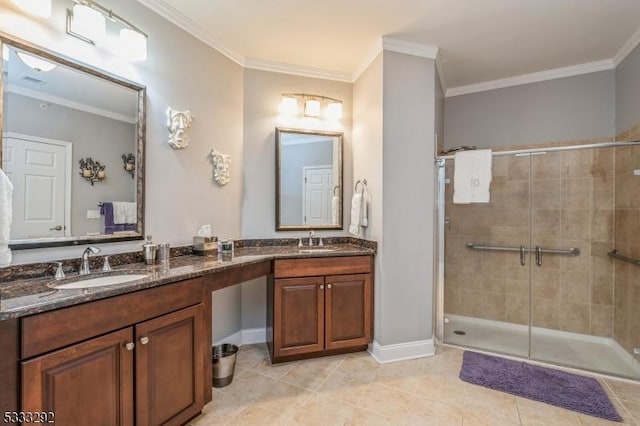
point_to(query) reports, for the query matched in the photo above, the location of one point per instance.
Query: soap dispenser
(149, 249)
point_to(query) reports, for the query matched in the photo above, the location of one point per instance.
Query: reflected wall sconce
(91, 170)
(312, 105)
(88, 22)
(129, 164)
(41, 8)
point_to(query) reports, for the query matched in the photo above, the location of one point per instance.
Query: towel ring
(362, 182)
(334, 189)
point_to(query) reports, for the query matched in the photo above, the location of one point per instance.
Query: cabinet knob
(144, 340)
(129, 346)
(321, 286)
(328, 285)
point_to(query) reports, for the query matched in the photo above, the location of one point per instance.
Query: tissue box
(203, 246)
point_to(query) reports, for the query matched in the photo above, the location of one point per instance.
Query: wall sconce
(87, 22)
(41, 8)
(91, 170)
(312, 106)
(129, 164)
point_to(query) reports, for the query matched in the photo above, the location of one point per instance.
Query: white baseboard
(248, 336)
(401, 351)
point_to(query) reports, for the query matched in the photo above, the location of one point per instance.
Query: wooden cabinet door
(169, 368)
(298, 316)
(348, 319)
(90, 383)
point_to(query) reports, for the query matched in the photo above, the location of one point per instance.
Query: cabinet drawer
(55, 329)
(292, 268)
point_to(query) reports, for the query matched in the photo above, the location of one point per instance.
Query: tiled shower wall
(627, 238)
(569, 202)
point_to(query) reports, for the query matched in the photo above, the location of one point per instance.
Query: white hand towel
(472, 176)
(364, 215)
(6, 205)
(335, 209)
(124, 212)
(356, 214)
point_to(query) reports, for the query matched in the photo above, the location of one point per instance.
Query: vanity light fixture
(87, 22)
(41, 8)
(312, 105)
(37, 64)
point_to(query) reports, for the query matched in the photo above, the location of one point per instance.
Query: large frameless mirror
(308, 180)
(73, 147)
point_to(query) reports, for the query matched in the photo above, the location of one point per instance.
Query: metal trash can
(224, 364)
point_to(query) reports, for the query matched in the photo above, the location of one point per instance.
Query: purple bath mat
(555, 387)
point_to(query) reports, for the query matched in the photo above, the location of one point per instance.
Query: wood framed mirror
(57, 112)
(309, 190)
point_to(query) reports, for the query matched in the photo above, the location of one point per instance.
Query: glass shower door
(487, 263)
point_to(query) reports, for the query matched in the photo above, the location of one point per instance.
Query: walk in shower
(548, 269)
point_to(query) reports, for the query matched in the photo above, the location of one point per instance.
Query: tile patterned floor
(355, 390)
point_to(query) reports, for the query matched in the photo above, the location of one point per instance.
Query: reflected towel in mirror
(124, 212)
(6, 204)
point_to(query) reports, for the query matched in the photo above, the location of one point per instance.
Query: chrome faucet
(84, 260)
(311, 235)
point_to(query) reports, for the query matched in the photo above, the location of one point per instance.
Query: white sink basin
(316, 250)
(99, 281)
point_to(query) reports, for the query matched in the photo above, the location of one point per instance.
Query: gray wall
(408, 193)
(183, 73)
(262, 95)
(628, 92)
(98, 137)
(367, 162)
(565, 109)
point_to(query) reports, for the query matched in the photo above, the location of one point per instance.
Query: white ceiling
(478, 41)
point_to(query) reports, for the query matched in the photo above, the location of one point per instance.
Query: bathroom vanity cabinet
(319, 306)
(137, 359)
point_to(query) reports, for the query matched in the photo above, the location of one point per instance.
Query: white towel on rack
(335, 209)
(356, 214)
(124, 212)
(472, 176)
(6, 196)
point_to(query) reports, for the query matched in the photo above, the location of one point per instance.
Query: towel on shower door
(6, 195)
(472, 176)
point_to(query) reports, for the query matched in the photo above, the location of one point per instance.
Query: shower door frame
(439, 184)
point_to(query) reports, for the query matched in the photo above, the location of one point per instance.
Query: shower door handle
(522, 249)
(538, 255)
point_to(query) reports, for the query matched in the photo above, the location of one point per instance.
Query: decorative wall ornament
(221, 165)
(178, 123)
(129, 164)
(91, 170)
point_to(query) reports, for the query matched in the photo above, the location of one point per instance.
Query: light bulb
(312, 108)
(334, 111)
(88, 23)
(288, 106)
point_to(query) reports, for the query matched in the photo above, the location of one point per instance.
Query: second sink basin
(99, 281)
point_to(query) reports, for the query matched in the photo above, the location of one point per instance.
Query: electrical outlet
(93, 214)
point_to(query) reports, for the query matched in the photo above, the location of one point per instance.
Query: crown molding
(409, 47)
(443, 81)
(58, 100)
(535, 77)
(303, 71)
(627, 48)
(368, 59)
(171, 14)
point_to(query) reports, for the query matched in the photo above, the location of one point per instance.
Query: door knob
(144, 340)
(129, 346)
(328, 285)
(321, 286)
(56, 228)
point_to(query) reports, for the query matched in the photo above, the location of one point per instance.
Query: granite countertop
(30, 296)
